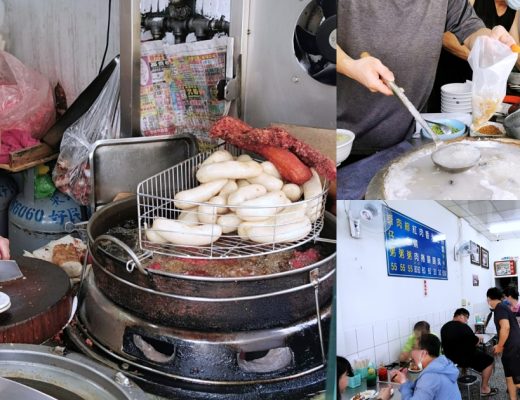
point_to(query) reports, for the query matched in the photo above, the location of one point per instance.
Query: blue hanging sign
(413, 250)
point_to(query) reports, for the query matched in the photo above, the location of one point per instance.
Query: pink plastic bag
(26, 101)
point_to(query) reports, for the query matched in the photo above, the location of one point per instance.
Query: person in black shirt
(460, 346)
(508, 340)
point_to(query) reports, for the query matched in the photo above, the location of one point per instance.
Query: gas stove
(279, 363)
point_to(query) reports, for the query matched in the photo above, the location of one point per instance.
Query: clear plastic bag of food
(26, 100)
(491, 61)
(71, 174)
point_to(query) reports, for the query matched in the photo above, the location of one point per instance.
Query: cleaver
(9, 271)
(14, 390)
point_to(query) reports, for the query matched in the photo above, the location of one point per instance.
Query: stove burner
(281, 363)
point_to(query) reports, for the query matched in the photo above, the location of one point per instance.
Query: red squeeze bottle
(382, 373)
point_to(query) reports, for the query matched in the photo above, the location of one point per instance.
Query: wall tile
(392, 329)
(350, 341)
(382, 354)
(365, 338)
(404, 327)
(394, 349)
(380, 333)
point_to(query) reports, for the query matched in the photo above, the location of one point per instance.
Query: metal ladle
(454, 157)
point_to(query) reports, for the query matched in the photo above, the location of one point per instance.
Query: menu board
(413, 250)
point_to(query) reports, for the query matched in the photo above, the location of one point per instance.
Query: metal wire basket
(216, 238)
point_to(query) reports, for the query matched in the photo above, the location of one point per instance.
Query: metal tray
(118, 165)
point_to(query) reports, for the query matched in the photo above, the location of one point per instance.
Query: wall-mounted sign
(507, 267)
(413, 249)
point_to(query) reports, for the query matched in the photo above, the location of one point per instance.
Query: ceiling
(479, 214)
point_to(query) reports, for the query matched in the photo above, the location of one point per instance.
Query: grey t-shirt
(406, 35)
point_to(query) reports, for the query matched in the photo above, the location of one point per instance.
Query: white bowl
(456, 98)
(457, 88)
(456, 109)
(459, 99)
(344, 139)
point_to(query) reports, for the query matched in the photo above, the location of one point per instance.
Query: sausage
(292, 191)
(178, 233)
(312, 189)
(189, 217)
(270, 169)
(228, 188)
(270, 233)
(245, 193)
(218, 156)
(229, 170)
(199, 194)
(208, 213)
(244, 157)
(262, 207)
(270, 182)
(229, 222)
(153, 236)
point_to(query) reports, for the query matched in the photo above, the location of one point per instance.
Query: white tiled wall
(381, 342)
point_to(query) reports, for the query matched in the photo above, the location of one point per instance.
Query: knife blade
(9, 270)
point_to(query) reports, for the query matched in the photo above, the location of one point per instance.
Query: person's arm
(515, 34)
(368, 71)
(452, 45)
(502, 336)
(498, 32)
(4, 249)
(407, 348)
(465, 24)
(425, 388)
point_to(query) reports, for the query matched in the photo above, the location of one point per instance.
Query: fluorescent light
(398, 243)
(501, 227)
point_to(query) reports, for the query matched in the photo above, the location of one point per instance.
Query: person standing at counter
(508, 340)
(453, 63)
(460, 346)
(511, 294)
(437, 381)
(4, 249)
(405, 39)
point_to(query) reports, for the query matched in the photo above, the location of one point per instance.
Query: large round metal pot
(414, 176)
(64, 375)
(203, 303)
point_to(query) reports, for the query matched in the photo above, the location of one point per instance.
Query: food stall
(422, 260)
(201, 263)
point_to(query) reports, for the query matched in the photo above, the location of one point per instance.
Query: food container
(489, 129)
(354, 381)
(414, 176)
(344, 140)
(459, 129)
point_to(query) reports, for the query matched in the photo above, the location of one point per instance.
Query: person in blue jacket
(438, 379)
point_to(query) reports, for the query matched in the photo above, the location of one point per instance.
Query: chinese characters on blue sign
(413, 249)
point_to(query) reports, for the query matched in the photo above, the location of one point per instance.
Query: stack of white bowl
(456, 98)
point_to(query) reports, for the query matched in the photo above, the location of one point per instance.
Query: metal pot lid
(64, 376)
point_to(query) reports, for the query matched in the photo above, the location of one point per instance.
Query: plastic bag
(491, 61)
(26, 100)
(71, 174)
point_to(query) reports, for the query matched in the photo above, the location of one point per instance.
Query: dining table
(351, 392)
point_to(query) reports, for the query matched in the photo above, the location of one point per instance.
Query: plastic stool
(466, 382)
